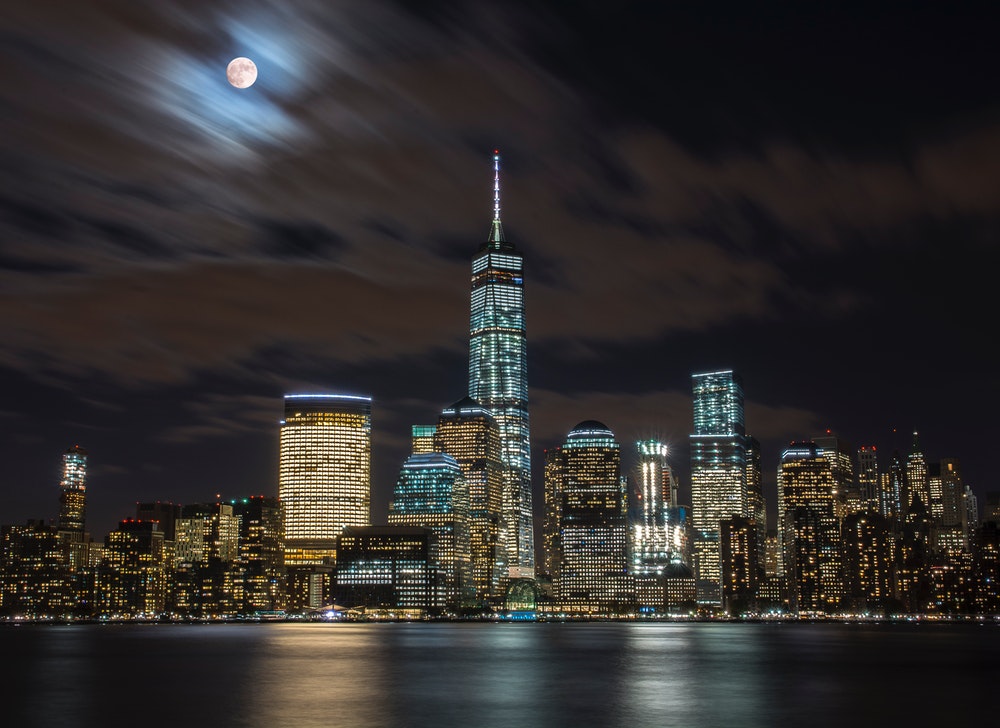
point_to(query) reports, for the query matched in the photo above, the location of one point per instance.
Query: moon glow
(241, 72)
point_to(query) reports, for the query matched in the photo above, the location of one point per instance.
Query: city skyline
(177, 255)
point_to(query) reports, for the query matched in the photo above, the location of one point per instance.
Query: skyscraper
(868, 561)
(868, 479)
(894, 491)
(324, 472)
(846, 495)
(916, 475)
(467, 432)
(422, 438)
(261, 538)
(498, 375)
(651, 542)
(718, 471)
(756, 505)
(431, 492)
(73, 491)
(740, 567)
(809, 528)
(584, 477)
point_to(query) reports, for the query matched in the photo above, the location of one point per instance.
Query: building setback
(498, 376)
(718, 472)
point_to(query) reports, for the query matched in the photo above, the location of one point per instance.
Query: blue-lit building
(498, 376)
(431, 492)
(585, 503)
(718, 472)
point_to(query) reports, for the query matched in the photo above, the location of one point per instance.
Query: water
(485, 675)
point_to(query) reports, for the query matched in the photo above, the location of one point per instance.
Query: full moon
(241, 72)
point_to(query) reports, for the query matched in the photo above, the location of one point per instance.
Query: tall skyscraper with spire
(498, 375)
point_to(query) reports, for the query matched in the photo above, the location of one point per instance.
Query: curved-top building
(324, 472)
(586, 527)
(431, 492)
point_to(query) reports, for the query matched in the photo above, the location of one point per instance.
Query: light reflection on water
(452, 674)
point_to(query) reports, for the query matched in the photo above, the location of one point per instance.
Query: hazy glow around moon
(241, 72)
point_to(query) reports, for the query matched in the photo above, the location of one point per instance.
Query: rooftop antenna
(496, 230)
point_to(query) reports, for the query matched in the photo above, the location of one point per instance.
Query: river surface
(516, 675)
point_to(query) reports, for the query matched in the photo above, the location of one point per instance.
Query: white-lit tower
(498, 375)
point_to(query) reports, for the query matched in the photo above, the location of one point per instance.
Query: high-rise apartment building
(207, 531)
(951, 492)
(869, 562)
(935, 492)
(431, 492)
(893, 489)
(916, 476)
(73, 492)
(868, 479)
(498, 375)
(261, 552)
(467, 432)
(584, 476)
(756, 505)
(163, 512)
(324, 472)
(846, 496)
(739, 564)
(718, 471)
(34, 579)
(131, 579)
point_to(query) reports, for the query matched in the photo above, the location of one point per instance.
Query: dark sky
(810, 196)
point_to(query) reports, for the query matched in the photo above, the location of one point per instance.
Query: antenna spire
(496, 184)
(496, 230)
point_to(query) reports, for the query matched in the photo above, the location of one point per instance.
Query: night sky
(808, 196)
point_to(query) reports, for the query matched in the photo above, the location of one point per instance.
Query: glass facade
(718, 471)
(651, 540)
(498, 377)
(386, 567)
(431, 492)
(324, 472)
